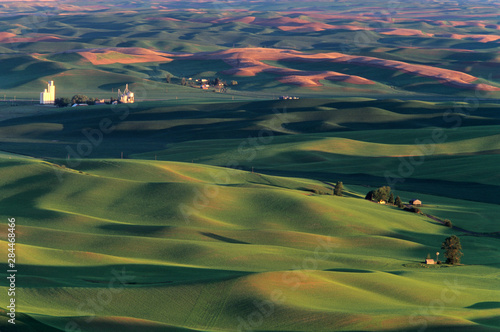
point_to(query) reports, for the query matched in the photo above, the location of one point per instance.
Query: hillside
(207, 204)
(317, 49)
(219, 243)
(231, 252)
(323, 138)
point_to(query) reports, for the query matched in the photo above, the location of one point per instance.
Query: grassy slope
(254, 229)
(328, 139)
(235, 249)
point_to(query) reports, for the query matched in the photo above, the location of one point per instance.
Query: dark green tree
(391, 198)
(62, 102)
(369, 195)
(79, 99)
(398, 202)
(381, 194)
(169, 78)
(339, 189)
(452, 249)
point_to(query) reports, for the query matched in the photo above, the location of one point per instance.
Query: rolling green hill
(205, 210)
(50, 46)
(234, 248)
(204, 247)
(408, 143)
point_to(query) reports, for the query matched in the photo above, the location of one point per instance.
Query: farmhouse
(415, 202)
(48, 96)
(429, 261)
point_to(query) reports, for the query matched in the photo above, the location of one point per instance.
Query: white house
(48, 96)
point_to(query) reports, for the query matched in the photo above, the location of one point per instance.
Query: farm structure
(416, 202)
(48, 96)
(127, 97)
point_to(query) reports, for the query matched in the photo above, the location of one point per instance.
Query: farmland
(197, 210)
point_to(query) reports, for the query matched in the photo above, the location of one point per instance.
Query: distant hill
(321, 50)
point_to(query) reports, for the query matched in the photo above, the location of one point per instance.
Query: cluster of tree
(83, 99)
(412, 209)
(384, 194)
(62, 102)
(78, 99)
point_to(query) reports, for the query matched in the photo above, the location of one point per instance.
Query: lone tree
(339, 188)
(452, 246)
(169, 78)
(398, 202)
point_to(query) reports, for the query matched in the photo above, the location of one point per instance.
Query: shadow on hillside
(136, 230)
(24, 205)
(485, 305)
(131, 275)
(223, 238)
(349, 270)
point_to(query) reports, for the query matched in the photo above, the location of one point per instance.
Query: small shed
(429, 261)
(415, 202)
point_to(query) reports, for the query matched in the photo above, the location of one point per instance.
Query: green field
(196, 210)
(206, 246)
(51, 44)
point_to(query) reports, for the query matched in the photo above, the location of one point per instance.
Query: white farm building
(48, 96)
(127, 97)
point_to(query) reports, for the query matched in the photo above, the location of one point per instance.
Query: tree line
(79, 99)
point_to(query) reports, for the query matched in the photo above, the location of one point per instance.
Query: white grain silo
(48, 96)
